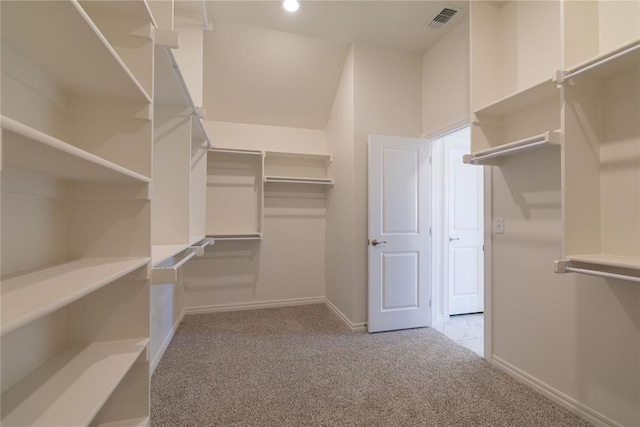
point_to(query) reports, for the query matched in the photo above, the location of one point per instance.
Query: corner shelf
(607, 64)
(548, 141)
(30, 296)
(70, 388)
(26, 148)
(66, 33)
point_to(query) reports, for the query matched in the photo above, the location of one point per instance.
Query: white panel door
(464, 224)
(399, 243)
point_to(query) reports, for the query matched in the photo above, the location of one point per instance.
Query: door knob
(376, 243)
(451, 239)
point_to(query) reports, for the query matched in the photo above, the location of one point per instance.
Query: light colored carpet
(300, 366)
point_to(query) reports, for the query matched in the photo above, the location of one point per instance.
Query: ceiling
(266, 66)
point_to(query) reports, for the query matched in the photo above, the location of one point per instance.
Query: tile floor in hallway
(465, 329)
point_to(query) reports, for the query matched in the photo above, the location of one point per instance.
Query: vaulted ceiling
(266, 66)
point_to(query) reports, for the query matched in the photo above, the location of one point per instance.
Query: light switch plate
(498, 225)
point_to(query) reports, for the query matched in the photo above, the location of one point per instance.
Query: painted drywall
(578, 335)
(287, 265)
(262, 76)
(339, 244)
(445, 82)
(387, 100)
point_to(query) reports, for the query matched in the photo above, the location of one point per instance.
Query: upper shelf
(608, 63)
(543, 91)
(298, 180)
(53, 35)
(161, 253)
(236, 151)
(607, 260)
(33, 295)
(72, 387)
(496, 155)
(298, 156)
(26, 148)
(138, 8)
(170, 89)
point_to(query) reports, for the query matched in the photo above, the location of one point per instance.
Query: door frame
(439, 308)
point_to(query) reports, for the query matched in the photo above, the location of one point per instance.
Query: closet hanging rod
(534, 143)
(602, 274)
(194, 109)
(601, 62)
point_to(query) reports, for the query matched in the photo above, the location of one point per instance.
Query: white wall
(287, 265)
(387, 100)
(339, 247)
(445, 82)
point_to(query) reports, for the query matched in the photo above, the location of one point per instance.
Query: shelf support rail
(194, 110)
(565, 267)
(568, 76)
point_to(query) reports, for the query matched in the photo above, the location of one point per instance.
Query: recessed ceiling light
(291, 5)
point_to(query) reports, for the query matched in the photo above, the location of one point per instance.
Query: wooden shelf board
(28, 149)
(32, 295)
(161, 253)
(543, 91)
(495, 155)
(607, 260)
(70, 388)
(132, 422)
(298, 180)
(626, 56)
(69, 48)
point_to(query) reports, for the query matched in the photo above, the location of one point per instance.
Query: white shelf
(607, 260)
(133, 422)
(30, 296)
(609, 63)
(70, 388)
(299, 156)
(495, 155)
(536, 94)
(69, 48)
(298, 180)
(240, 236)
(139, 8)
(200, 245)
(161, 253)
(26, 148)
(235, 151)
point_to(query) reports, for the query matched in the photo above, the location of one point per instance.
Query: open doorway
(458, 239)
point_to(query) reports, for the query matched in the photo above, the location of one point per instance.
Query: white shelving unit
(76, 168)
(234, 194)
(514, 94)
(296, 168)
(601, 194)
(236, 184)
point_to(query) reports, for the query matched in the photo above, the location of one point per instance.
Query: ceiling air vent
(441, 18)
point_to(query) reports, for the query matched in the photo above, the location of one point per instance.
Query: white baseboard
(562, 399)
(355, 327)
(253, 305)
(165, 344)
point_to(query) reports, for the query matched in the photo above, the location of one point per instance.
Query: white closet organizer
(515, 99)
(76, 166)
(234, 194)
(601, 194)
(296, 168)
(180, 159)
